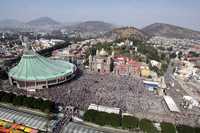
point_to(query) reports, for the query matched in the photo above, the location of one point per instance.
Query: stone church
(101, 62)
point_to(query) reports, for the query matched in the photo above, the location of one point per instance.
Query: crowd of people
(105, 90)
(127, 93)
(62, 122)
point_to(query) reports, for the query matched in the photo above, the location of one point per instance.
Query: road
(174, 90)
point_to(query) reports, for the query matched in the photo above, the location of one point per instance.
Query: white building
(155, 63)
(171, 104)
(104, 109)
(192, 102)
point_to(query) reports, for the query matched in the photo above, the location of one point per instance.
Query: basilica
(101, 62)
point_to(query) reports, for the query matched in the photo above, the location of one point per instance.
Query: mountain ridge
(170, 31)
(100, 27)
(91, 26)
(128, 32)
(41, 21)
(11, 23)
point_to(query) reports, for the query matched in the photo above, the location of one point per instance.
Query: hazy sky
(121, 12)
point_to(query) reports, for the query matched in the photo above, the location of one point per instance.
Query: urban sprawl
(60, 84)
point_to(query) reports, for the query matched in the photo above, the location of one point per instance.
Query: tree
(167, 128)
(18, 100)
(194, 54)
(29, 102)
(164, 67)
(197, 129)
(147, 126)
(7, 97)
(90, 115)
(113, 119)
(180, 54)
(130, 122)
(163, 56)
(26, 101)
(46, 106)
(1, 95)
(102, 118)
(185, 129)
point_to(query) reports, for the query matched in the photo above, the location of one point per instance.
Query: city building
(151, 85)
(126, 66)
(171, 104)
(37, 72)
(186, 70)
(190, 102)
(155, 63)
(101, 62)
(104, 109)
(145, 71)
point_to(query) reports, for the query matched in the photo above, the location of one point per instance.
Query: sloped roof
(79, 128)
(33, 67)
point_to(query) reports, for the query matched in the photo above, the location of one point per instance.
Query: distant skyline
(137, 13)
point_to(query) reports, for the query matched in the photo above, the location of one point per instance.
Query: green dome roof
(33, 67)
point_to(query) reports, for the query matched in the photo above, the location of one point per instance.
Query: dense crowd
(108, 90)
(62, 122)
(127, 93)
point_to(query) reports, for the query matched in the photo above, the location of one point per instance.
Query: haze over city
(120, 12)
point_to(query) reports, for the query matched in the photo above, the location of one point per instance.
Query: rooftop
(34, 67)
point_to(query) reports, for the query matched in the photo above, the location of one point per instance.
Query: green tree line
(134, 123)
(29, 102)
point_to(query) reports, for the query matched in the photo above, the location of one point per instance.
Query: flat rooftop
(171, 104)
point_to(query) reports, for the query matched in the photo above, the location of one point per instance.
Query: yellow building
(144, 71)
